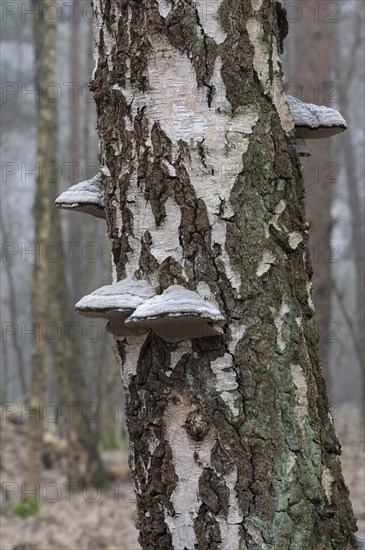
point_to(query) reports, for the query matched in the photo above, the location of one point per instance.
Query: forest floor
(91, 521)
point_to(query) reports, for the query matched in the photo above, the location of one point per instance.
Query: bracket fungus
(313, 122)
(87, 196)
(178, 314)
(115, 302)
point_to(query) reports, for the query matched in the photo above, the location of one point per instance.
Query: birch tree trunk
(231, 441)
(49, 288)
(45, 58)
(84, 465)
(346, 72)
(13, 309)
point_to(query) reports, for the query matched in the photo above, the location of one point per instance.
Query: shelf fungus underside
(315, 121)
(178, 314)
(115, 302)
(87, 197)
(133, 307)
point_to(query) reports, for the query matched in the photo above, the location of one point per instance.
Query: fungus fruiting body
(178, 314)
(315, 121)
(87, 197)
(115, 302)
(133, 307)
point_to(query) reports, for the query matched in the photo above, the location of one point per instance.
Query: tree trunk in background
(75, 103)
(45, 58)
(109, 397)
(76, 224)
(311, 71)
(84, 464)
(346, 70)
(4, 374)
(231, 442)
(357, 240)
(87, 111)
(76, 228)
(13, 309)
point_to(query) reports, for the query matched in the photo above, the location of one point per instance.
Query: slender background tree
(46, 171)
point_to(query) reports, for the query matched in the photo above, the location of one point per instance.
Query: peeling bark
(231, 441)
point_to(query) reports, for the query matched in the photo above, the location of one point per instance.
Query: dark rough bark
(232, 445)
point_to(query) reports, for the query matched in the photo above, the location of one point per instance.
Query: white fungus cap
(87, 196)
(315, 121)
(118, 300)
(178, 314)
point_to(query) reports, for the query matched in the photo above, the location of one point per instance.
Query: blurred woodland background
(50, 260)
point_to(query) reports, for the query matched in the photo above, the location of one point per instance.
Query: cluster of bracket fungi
(132, 306)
